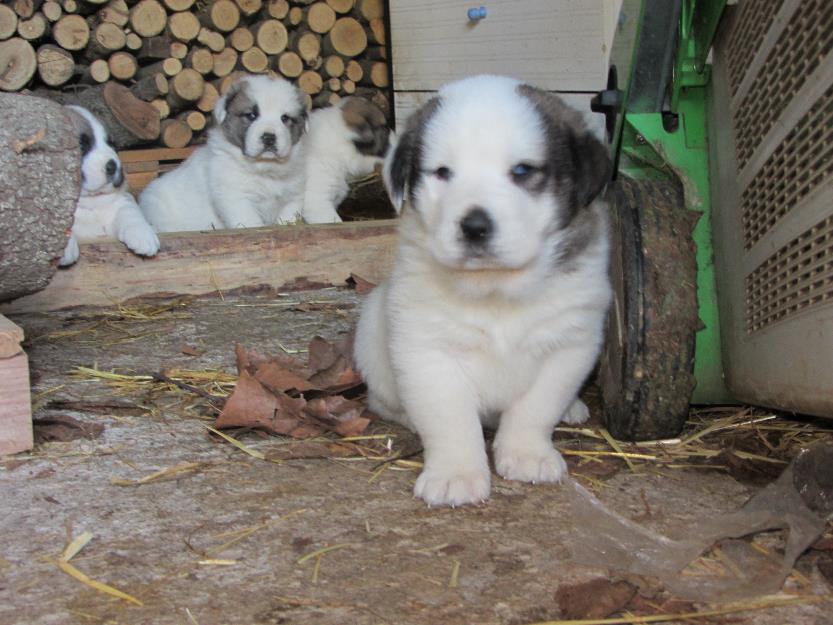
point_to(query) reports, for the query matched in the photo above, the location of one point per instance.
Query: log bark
(55, 65)
(151, 87)
(169, 67)
(105, 39)
(17, 64)
(155, 48)
(40, 180)
(116, 12)
(325, 98)
(130, 122)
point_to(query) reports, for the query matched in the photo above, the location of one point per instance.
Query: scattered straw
(320, 552)
(455, 575)
(76, 545)
(254, 453)
(612, 442)
(162, 474)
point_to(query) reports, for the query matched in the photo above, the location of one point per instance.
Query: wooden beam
(15, 402)
(204, 262)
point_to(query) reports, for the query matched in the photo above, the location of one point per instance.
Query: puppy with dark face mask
(251, 171)
(494, 311)
(105, 209)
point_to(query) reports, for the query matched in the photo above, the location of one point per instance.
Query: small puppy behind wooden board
(105, 209)
(345, 143)
(495, 309)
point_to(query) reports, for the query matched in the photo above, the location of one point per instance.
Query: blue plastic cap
(477, 13)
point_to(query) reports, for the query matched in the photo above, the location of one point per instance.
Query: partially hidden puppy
(250, 172)
(346, 142)
(105, 208)
(494, 311)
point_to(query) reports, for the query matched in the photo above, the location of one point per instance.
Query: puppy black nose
(477, 226)
(111, 168)
(268, 139)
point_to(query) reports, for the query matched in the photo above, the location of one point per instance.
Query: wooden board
(15, 403)
(203, 262)
(554, 45)
(141, 167)
(406, 102)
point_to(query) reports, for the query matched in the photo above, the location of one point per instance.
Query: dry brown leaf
(280, 379)
(598, 598)
(362, 285)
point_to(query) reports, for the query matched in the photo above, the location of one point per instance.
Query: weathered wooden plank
(204, 262)
(15, 405)
(555, 45)
(11, 336)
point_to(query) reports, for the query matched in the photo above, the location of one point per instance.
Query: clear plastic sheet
(798, 502)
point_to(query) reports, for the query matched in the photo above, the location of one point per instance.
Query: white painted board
(554, 44)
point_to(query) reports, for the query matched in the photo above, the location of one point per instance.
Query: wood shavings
(25, 144)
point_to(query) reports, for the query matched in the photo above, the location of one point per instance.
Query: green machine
(664, 349)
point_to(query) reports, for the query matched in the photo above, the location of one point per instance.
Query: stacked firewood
(153, 69)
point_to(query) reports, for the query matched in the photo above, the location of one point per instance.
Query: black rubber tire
(646, 371)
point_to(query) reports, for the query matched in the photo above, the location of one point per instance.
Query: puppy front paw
(578, 412)
(141, 240)
(537, 462)
(71, 253)
(454, 487)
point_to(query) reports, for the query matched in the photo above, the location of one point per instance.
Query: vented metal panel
(771, 166)
(802, 162)
(748, 30)
(804, 43)
(795, 279)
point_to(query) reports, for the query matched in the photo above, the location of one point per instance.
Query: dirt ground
(219, 536)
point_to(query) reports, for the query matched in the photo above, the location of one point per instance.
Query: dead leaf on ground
(598, 598)
(63, 428)
(269, 394)
(190, 350)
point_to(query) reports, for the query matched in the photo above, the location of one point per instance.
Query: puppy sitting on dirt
(345, 143)
(494, 311)
(251, 171)
(105, 209)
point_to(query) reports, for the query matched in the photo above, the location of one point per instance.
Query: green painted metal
(648, 149)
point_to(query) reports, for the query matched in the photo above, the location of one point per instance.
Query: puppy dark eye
(85, 143)
(522, 171)
(287, 120)
(252, 115)
(443, 173)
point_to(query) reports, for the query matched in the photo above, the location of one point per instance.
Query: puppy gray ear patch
(403, 168)
(593, 166)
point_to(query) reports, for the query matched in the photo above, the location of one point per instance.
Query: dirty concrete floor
(219, 543)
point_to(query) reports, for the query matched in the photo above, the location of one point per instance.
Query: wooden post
(15, 402)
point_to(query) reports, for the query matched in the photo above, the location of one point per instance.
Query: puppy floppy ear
(222, 104)
(592, 163)
(575, 153)
(403, 164)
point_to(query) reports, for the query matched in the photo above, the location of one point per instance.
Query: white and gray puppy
(251, 171)
(494, 311)
(105, 209)
(345, 143)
